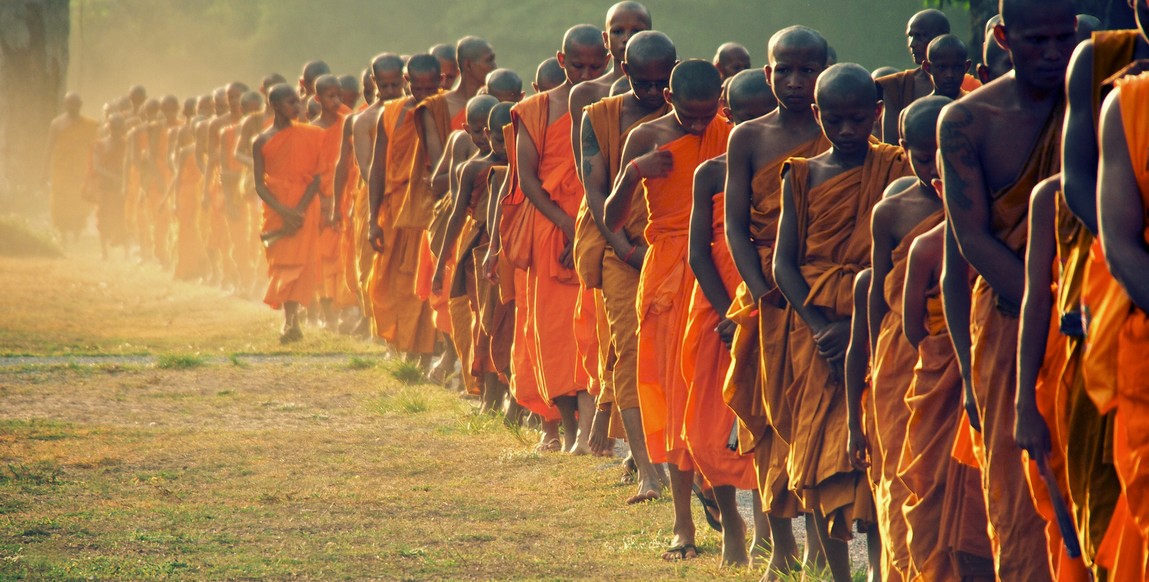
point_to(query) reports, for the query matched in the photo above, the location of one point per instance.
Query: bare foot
(600, 442)
(579, 449)
(734, 542)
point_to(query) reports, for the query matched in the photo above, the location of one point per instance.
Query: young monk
(70, 139)
(731, 59)
(901, 89)
(947, 62)
(214, 225)
(190, 256)
(989, 168)
(328, 92)
(706, 352)
(548, 75)
(237, 196)
(160, 146)
(448, 64)
(312, 70)
(108, 183)
(903, 214)
(287, 176)
(145, 180)
(755, 388)
(661, 156)
(548, 178)
(822, 242)
(470, 206)
(650, 58)
(399, 316)
(348, 185)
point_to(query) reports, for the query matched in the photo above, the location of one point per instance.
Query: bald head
(499, 116)
(271, 81)
(922, 28)
(386, 63)
(422, 65)
(313, 69)
(443, 52)
(136, 95)
(1087, 24)
(278, 93)
(504, 85)
(479, 108)
(170, 105)
(749, 95)
(883, 71)
(582, 36)
(470, 49)
(251, 101)
(731, 58)
(650, 48)
(549, 75)
(946, 46)
(996, 62)
(73, 103)
(1022, 12)
(695, 80)
(327, 82)
(919, 121)
(628, 8)
(800, 38)
(845, 81)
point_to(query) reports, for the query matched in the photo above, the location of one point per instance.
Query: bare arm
(455, 221)
(881, 264)
(579, 98)
(342, 167)
(1120, 208)
(441, 175)
(243, 142)
(362, 143)
(967, 206)
(924, 261)
(212, 156)
(739, 174)
(706, 178)
(596, 187)
(429, 134)
(1079, 155)
(956, 303)
(376, 186)
(262, 190)
(527, 158)
(1030, 429)
(857, 365)
(786, 270)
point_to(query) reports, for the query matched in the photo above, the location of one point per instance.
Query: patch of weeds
(519, 456)
(180, 361)
(235, 361)
(406, 401)
(412, 552)
(357, 363)
(20, 238)
(38, 473)
(38, 430)
(225, 393)
(408, 373)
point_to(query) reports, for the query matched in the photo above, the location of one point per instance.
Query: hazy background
(188, 47)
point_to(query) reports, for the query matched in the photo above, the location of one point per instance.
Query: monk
(548, 75)
(548, 178)
(349, 91)
(989, 169)
(760, 363)
(995, 61)
(901, 89)
(947, 62)
(287, 178)
(606, 126)
(730, 59)
(904, 213)
(256, 119)
(1093, 482)
(190, 257)
(159, 142)
(213, 227)
(1123, 189)
(448, 64)
(328, 92)
(470, 206)
(822, 242)
(399, 316)
(348, 186)
(222, 171)
(108, 185)
(145, 179)
(70, 140)
(312, 70)
(661, 156)
(623, 20)
(709, 423)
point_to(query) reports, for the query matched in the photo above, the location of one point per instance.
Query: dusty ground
(152, 429)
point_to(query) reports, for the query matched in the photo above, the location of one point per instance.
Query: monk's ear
(983, 74)
(535, 86)
(817, 112)
(727, 113)
(769, 74)
(999, 36)
(878, 108)
(902, 144)
(968, 64)
(625, 69)
(562, 58)
(606, 40)
(668, 96)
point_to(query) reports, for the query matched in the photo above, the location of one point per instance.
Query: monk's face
(649, 81)
(170, 108)
(330, 98)
(450, 73)
(73, 104)
(693, 115)
(482, 65)
(423, 85)
(498, 144)
(137, 97)
(203, 107)
(219, 102)
(918, 37)
(923, 158)
(189, 107)
(478, 134)
(847, 121)
(1040, 46)
(733, 63)
(388, 85)
(289, 107)
(623, 25)
(947, 69)
(583, 63)
(233, 96)
(792, 73)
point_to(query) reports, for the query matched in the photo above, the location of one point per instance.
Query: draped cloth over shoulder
(1015, 526)
(664, 290)
(834, 245)
(291, 160)
(330, 268)
(760, 367)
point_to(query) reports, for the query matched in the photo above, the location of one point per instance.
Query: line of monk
(908, 305)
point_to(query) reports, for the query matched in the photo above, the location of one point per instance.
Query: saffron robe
(291, 161)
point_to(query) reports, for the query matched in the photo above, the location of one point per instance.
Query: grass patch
(21, 238)
(36, 473)
(358, 363)
(404, 401)
(180, 361)
(408, 373)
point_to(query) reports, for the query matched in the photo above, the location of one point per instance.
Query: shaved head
(798, 37)
(695, 80)
(280, 92)
(443, 52)
(1087, 24)
(731, 58)
(251, 101)
(325, 82)
(749, 95)
(650, 47)
(470, 49)
(582, 36)
(991, 24)
(947, 45)
(932, 20)
(271, 81)
(503, 83)
(550, 74)
(920, 120)
(386, 63)
(73, 103)
(422, 64)
(499, 116)
(922, 28)
(313, 69)
(846, 81)
(883, 71)
(1019, 12)
(629, 8)
(997, 61)
(479, 108)
(349, 83)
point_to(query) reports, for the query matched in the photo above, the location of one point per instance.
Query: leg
(291, 330)
(568, 408)
(836, 551)
(549, 441)
(874, 554)
(682, 491)
(600, 442)
(733, 527)
(586, 413)
(649, 482)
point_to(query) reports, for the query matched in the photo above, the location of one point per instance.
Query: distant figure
(448, 65)
(70, 139)
(106, 185)
(731, 59)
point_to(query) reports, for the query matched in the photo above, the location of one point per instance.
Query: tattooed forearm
(590, 147)
(958, 153)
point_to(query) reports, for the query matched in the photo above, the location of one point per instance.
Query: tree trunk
(33, 71)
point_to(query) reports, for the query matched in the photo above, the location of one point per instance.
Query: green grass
(408, 373)
(180, 361)
(21, 238)
(358, 363)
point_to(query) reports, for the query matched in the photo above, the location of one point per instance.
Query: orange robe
(517, 245)
(600, 267)
(66, 171)
(760, 364)
(898, 90)
(946, 511)
(664, 288)
(555, 288)
(398, 315)
(330, 267)
(705, 361)
(161, 213)
(348, 290)
(190, 259)
(108, 192)
(892, 372)
(1020, 548)
(242, 258)
(291, 160)
(835, 241)
(495, 318)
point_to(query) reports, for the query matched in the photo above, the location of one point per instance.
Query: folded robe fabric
(291, 160)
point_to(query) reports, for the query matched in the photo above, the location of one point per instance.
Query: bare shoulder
(712, 170)
(930, 245)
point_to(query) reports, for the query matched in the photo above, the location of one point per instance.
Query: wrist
(633, 165)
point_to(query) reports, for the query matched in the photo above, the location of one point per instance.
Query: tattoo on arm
(957, 147)
(590, 147)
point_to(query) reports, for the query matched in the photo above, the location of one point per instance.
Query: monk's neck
(849, 160)
(468, 87)
(283, 122)
(615, 71)
(1029, 95)
(796, 119)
